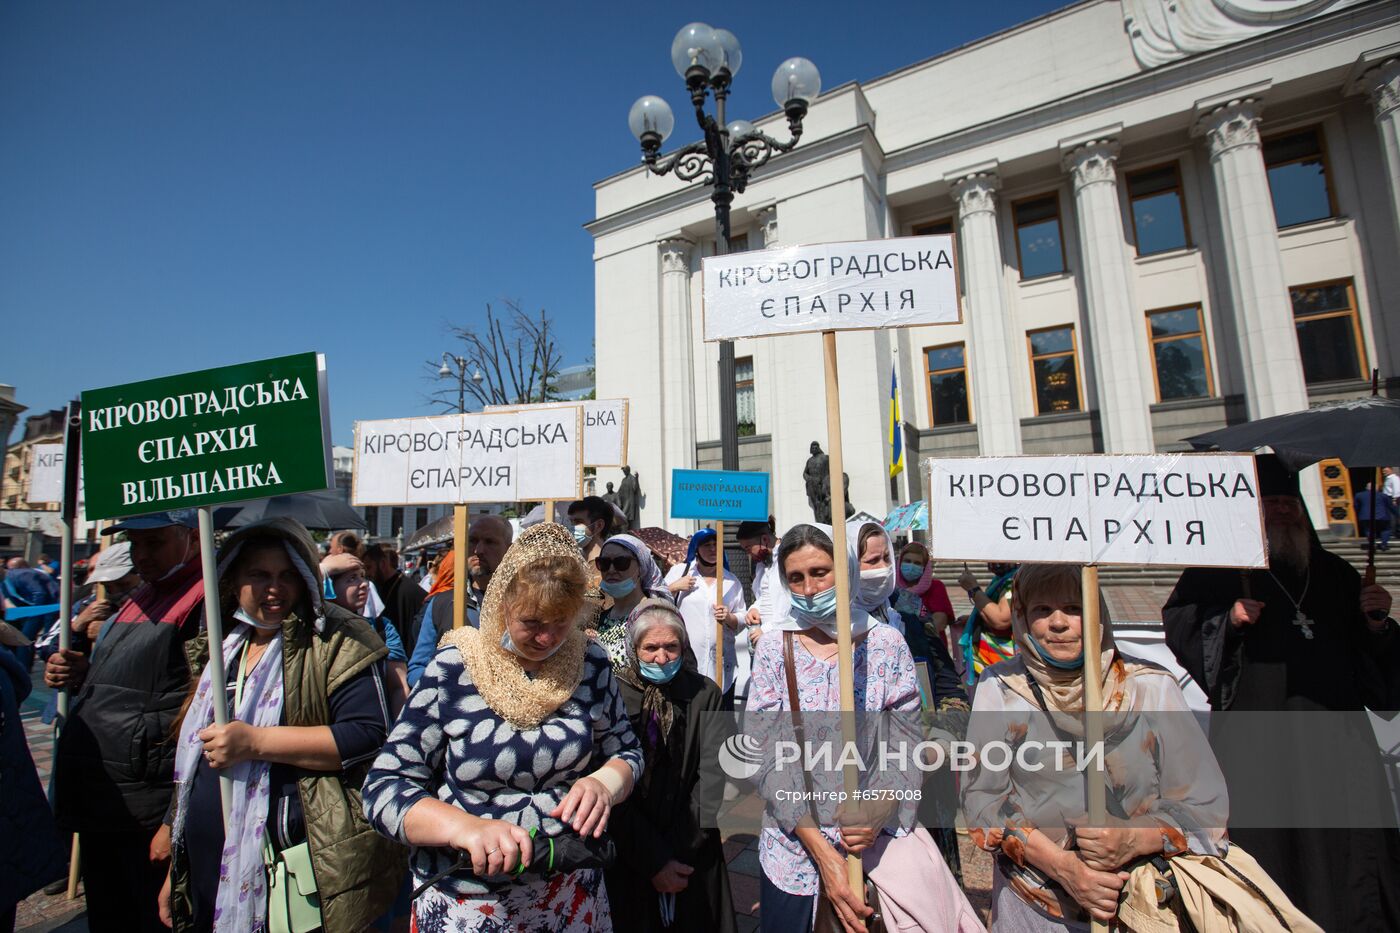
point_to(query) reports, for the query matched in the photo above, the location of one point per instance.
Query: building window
(1179, 353)
(372, 519)
(1159, 217)
(395, 521)
(947, 385)
(744, 404)
(933, 228)
(420, 518)
(1297, 170)
(1054, 370)
(1038, 241)
(1329, 334)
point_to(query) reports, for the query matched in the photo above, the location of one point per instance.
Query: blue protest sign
(719, 495)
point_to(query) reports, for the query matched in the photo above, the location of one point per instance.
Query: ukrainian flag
(896, 427)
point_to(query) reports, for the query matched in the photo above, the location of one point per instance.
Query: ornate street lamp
(708, 59)
(461, 375)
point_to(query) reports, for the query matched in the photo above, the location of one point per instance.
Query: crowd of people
(554, 763)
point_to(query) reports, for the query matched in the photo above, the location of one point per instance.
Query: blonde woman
(514, 738)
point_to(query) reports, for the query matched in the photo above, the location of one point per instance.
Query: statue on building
(629, 497)
(816, 476)
(610, 497)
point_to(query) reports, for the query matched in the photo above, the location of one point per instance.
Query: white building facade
(1171, 215)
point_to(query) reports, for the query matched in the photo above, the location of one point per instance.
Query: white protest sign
(832, 286)
(1188, 510)
(488, 457)
(604, 428)
(46, 473)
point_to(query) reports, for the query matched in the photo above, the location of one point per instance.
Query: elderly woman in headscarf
(1160, 769)
(628, 575)
(671, 872)
(515, 738)
(307, 714)
(808, 861)
(692, 584)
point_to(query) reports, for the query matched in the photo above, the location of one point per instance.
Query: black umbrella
(1361, 432)
(435, 532)
(323, 510)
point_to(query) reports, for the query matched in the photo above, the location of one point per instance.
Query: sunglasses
(621, 564)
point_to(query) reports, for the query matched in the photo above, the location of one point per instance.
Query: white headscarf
(873, 597)
(782, 597)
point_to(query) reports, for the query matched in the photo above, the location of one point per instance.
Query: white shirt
(1391, 487)
(765, 580)
(697, 608)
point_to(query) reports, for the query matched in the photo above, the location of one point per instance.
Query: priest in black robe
(1303, 638)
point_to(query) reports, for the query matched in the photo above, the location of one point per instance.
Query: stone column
(989, 344)
(1273, 368)
(1383, 85)
(1119, 351)
(677, 368)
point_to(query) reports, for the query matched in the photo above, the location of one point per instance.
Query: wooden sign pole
(719, 601)
(549, 510)
(459, 566)
(1093, 697)
(844, 651)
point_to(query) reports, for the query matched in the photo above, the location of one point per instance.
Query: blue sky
(186, 185)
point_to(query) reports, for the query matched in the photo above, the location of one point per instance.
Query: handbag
(826, 920)
(292, 903)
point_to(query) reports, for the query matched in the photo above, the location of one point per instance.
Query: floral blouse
(884, 680)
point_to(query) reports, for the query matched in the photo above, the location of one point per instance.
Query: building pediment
(1165, 31)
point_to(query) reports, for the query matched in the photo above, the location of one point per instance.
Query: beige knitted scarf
(521, 699)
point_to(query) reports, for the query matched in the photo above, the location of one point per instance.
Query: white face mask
(509, 644)
(184, 558)
(875, 586)
(242, 616)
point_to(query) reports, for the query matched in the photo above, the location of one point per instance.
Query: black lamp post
(708, 59)
(461, 374)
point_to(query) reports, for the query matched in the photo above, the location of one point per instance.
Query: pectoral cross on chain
(1303, 622)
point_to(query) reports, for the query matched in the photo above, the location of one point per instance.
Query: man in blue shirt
(1373, 508)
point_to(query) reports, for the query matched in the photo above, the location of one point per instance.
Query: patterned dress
(448, 744)
(884, 680)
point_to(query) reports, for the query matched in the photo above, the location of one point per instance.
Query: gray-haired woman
(670, 871)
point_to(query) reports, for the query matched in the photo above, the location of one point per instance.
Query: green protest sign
(218, 435)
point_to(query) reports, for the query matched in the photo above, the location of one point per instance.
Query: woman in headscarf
(628, 575)
(877, 572)
(692, 585)
(670, 872)
(808, 861)
(1160, 768)
(347, 586)
(920, 599)
(514, 738)
(307, 714)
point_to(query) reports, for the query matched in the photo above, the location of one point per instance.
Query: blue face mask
(659, 673)
(618, 589)
(581, 534)
(817, 608)
(911, 573)
(1054, 662)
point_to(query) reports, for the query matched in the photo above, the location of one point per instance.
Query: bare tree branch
(516, 355)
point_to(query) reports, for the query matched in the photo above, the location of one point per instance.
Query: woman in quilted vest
(307, 713)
